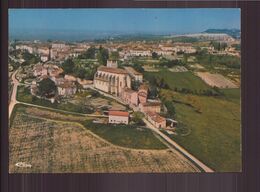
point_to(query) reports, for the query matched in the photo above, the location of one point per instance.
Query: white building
(118, 117)
(58, 46)
(44, 58)
(140, 53)
(25, 47)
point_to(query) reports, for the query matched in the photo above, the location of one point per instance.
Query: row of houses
(66, 85)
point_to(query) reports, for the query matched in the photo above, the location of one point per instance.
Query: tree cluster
(47, 88)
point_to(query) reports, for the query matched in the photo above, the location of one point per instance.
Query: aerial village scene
(124, 101)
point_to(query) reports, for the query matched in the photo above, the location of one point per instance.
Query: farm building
(157, 120)
(130, 96)
(150, 107)
(118, 117)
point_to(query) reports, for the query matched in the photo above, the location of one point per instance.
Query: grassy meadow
(178, 80)
(214, 128)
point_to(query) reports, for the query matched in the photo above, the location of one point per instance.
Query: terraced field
(55, 146)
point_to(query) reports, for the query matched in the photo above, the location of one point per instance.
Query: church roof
(112, 70)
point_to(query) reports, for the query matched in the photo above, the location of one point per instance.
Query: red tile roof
(156, 117)
(118, 113)
(151, 104)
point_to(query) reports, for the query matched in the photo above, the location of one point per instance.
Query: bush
(138, 118)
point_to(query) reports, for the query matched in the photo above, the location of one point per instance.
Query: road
(13, 100)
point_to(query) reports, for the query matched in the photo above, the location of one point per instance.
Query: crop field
(54, 146)
(216, 80)
(178, 80)
(214, 126)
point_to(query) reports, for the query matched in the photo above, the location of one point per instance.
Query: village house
(130, 96)
(25, 47)
(58, 46)
(137, 52)
(84, 83)
(44, 58)
(39, 70)
(70, 78)
(163, 52)
(43, 51)
(67, 88)
(143, 93)
(118, 117)
(136, 76)
(150, 107)
(54, 71)
(155, 119)
(166, 47)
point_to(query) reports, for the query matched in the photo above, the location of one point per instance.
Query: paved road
(14, 93)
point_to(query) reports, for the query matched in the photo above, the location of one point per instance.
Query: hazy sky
(121, 20)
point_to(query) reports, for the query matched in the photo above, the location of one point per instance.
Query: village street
(13, 100)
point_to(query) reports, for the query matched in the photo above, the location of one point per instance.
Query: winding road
(13, 100)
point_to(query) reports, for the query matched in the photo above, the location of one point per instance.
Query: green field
(178, 79)
(232, 95)
(214, 125)
(126, 135)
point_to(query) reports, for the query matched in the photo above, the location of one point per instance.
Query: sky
(100, 22)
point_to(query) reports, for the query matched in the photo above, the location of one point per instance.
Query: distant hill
(235, 33)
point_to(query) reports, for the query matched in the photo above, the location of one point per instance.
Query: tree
(89, 54)
(114, 55)
(47, 88)
(80, 72)
(30, 58)
(138, 118)
(68, 66)
(138, 67)
(153, 92)
(120, 49)
(154, 55)
(135, 85)
(102, 55)
(170, 108)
